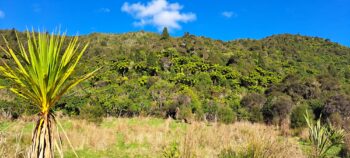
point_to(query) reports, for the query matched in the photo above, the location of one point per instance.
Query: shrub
(328, 83)
(316, 106)
(337, 103)
(243, 114)
(297, 116)
(282, 106)
(211, 110)
(104, 43)
(226, 115)
(133, 109)
(277, 109)
(256, 115)
(185, 113)
(92, 113)
(10, 110)
(70, 105)
(253, 101)
(14, 110)
(336, 120)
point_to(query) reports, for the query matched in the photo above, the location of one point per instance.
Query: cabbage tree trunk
(42, 140)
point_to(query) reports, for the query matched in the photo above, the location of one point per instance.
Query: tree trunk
(42, 140)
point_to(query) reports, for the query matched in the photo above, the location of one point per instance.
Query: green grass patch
(4, 125)
(155, 122)
(178, 124)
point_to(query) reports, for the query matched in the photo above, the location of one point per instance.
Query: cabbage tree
(41, 73)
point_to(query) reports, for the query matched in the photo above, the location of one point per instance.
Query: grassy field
(151, 137)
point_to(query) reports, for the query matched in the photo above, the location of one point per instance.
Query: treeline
(272, 80)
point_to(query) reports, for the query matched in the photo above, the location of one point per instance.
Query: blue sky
(219, 19)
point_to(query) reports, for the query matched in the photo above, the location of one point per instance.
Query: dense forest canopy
(270, 80)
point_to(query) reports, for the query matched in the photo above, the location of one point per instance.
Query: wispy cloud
(36, 8)
(2, 14)
(104, 10)
(228, 14)
(159, 13)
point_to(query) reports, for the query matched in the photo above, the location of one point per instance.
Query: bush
(253, 101)
(13, 110)
(92, 113)
(336, 120)
(316, 106)
(226, 115)
(282, 106)
(243, 114)
(210, 110)
(70, 105)
(277, 109)
(337, 104)
(256, 115)
(9, 110)
(297, 116)
(104, 43)
(185, 113)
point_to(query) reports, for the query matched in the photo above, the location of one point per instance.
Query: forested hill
(268, 80)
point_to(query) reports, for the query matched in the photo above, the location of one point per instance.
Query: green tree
(161, 92)
(165, 34)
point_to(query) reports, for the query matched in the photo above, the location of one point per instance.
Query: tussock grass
(151, 137)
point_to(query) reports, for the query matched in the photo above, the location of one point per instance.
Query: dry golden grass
(86, 135)
(264, 140)
(149, 137)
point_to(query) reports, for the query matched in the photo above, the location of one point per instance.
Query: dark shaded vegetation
(272, 80)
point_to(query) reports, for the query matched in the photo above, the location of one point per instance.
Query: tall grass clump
(322, 138)
(40, 72)
(172, 151)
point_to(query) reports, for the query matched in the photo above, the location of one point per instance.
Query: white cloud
(159, 13)
(104, 10)
(2, 14)
(228, 14)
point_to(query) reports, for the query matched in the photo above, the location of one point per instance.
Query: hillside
(198, 78)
